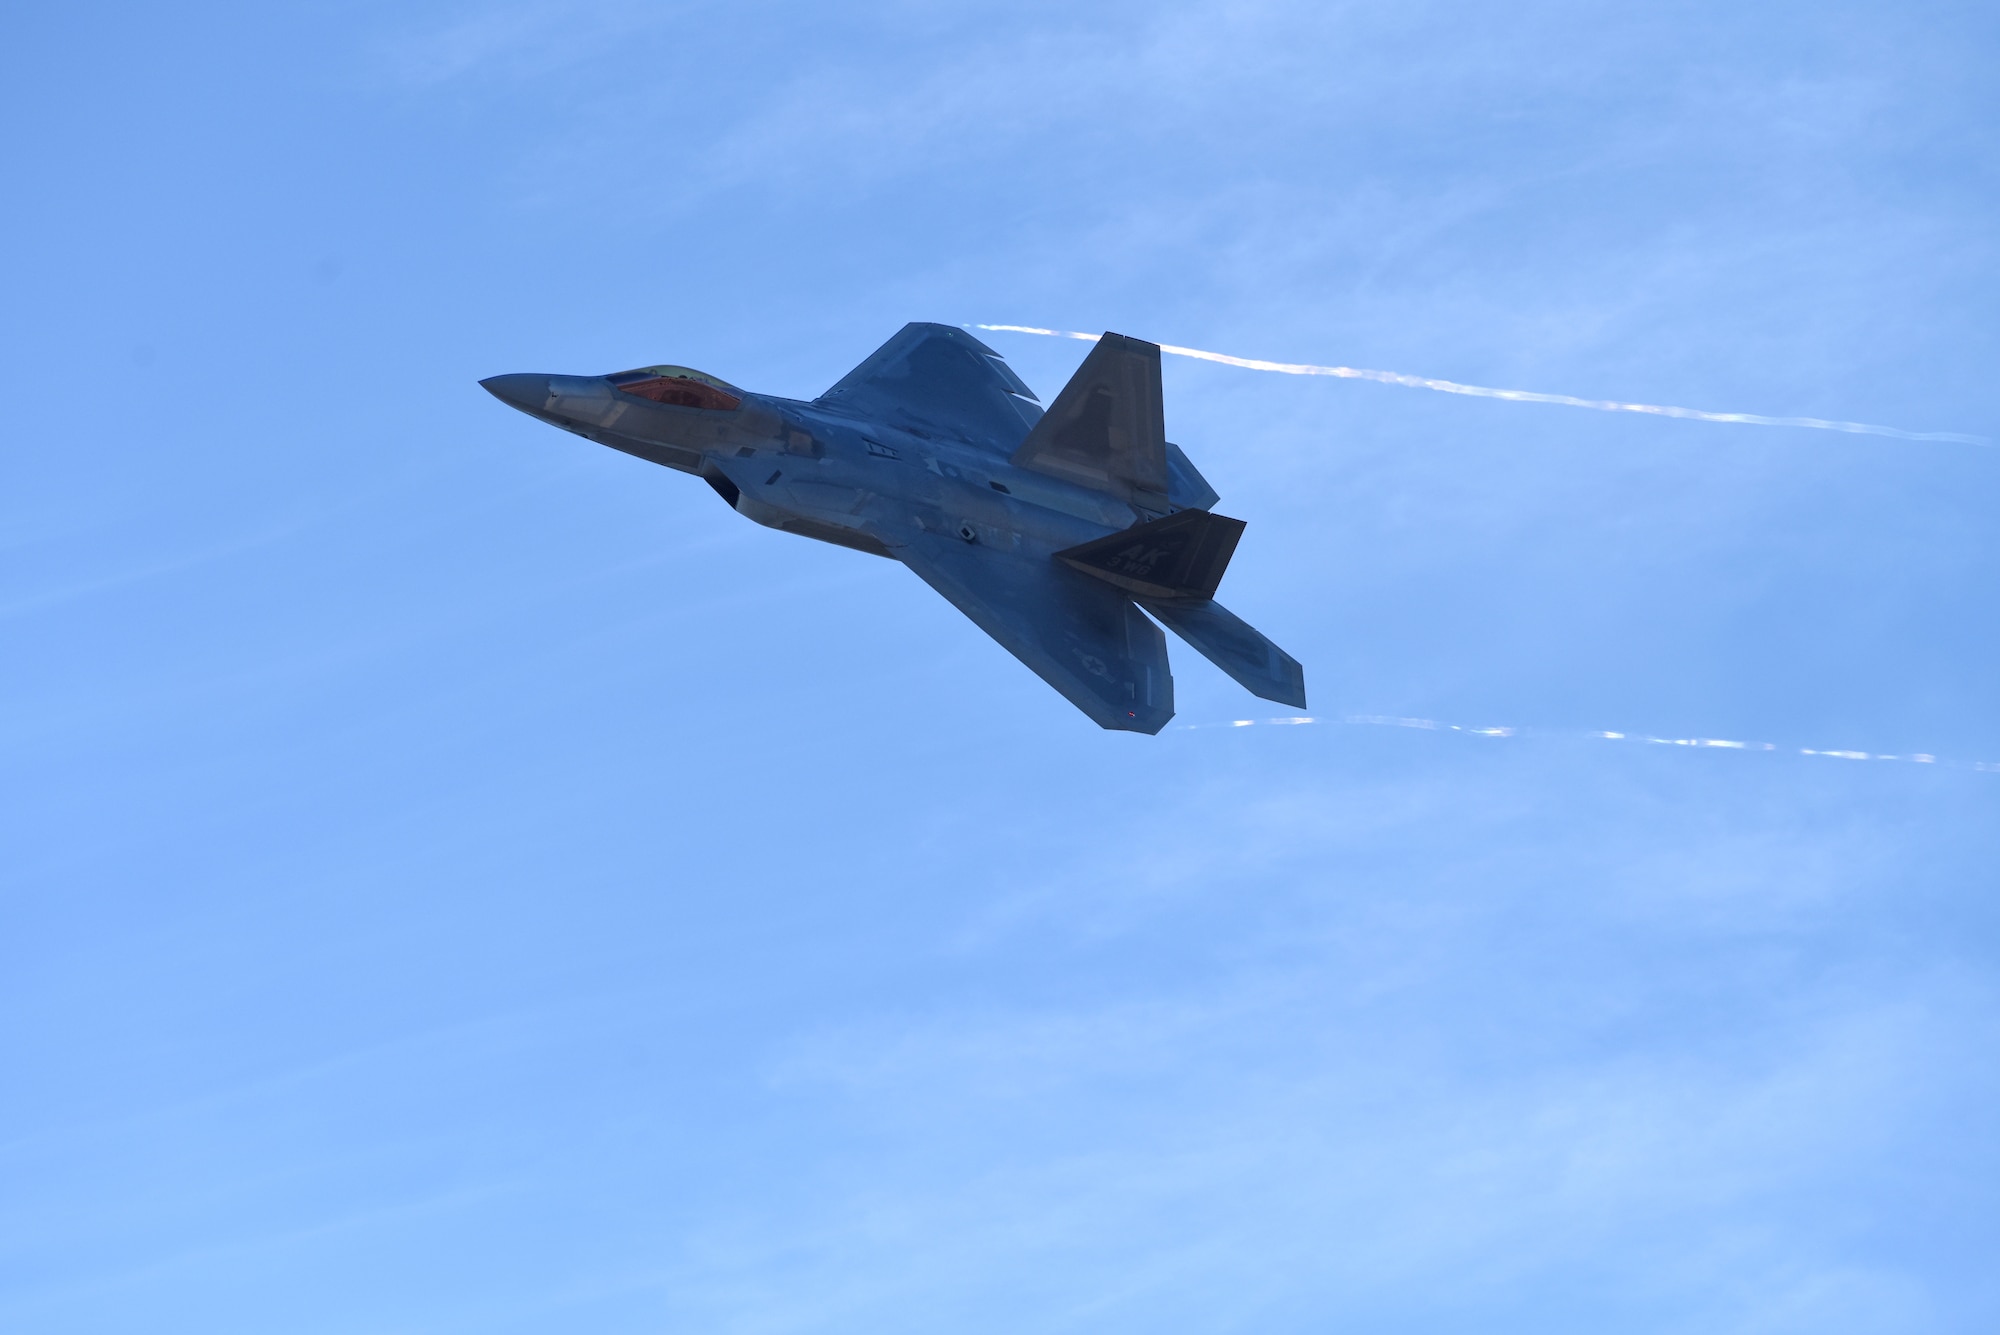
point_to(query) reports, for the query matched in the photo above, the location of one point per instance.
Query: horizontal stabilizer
(1226, 640)
(1180, 556)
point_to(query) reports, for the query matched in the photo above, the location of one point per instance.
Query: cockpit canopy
(681, 386)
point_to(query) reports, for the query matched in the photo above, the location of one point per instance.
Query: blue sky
(463, 880)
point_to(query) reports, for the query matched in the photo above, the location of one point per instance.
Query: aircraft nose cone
(529, 393)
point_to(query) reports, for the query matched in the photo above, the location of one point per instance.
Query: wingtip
(1146, 721)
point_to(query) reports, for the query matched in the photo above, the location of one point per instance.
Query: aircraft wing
(1078, 634)
(936, 379)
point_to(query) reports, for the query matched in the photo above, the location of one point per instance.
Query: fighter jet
(1050, 530)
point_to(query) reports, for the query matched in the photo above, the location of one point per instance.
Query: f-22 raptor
(1050, 529)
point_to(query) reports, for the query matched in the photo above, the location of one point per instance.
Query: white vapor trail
(1707, 743)
(1515, 395)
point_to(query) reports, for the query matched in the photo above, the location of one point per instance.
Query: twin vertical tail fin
(1107, 431)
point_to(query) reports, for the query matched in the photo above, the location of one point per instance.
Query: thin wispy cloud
(1247, 1164)
(513, 38)
(649, 920)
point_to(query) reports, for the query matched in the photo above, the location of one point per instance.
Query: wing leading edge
(936, 379)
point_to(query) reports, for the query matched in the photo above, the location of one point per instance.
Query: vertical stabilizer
(1107, 429)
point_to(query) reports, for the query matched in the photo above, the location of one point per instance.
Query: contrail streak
(1699, 743)
(1516, 395)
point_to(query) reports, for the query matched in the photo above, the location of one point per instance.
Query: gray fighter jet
(1049, 529)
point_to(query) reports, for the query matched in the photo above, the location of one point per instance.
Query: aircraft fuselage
(1058, 532)
(793, 466)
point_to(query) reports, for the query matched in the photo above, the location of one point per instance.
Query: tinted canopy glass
(680, 386)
